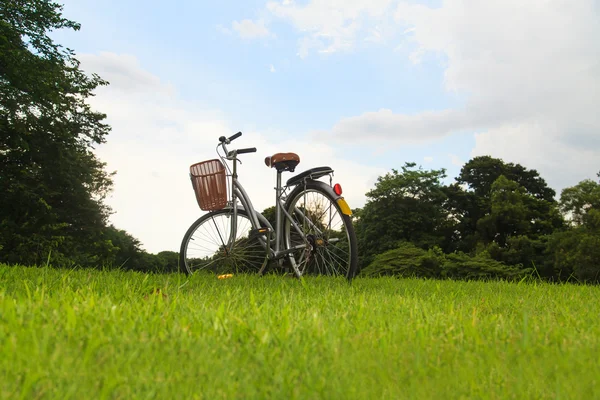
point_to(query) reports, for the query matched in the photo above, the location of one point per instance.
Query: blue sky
(184, 43)
(368, 85)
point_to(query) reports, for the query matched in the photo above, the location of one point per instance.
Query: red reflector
(337, 188)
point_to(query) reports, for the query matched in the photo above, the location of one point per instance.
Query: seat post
(278, 212)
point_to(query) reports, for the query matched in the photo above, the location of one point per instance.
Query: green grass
(100, 334)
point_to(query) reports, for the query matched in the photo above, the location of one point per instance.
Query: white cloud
(248, 29)
(272, 68)
(531, 68)
(531, 71)
(401, 128)
(330, 26)
(428, 159)
(156, 136)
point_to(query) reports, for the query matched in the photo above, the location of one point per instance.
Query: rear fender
(345, 208)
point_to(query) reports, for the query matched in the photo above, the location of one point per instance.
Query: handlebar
(223, 139)
(233, 153)
(233, 137)
(248, 150)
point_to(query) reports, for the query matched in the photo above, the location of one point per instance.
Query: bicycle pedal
(258, 232)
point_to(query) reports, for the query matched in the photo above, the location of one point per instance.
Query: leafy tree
(576, 201)
(508, 214)
(575, 253)
(514, 212)
(124, 251)
(525, 251)
(480, 173)
(493, 200)
(405, 205)
(52, 184)
(169, 261)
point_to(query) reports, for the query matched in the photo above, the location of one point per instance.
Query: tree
(52, 184)
(578, 200)
(124, 252)
(575, 252)
(169, 261)
(480, 173)
(405, 205)
(508, 214)
(493, 200)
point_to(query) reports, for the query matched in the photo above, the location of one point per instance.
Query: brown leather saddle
(283, 161)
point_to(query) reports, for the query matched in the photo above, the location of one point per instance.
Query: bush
(481, 266)
(525, 251)
(409, 260)
(406, 260)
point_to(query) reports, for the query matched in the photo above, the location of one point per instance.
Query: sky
(362, 86)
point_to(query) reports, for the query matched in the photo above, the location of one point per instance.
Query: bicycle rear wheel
(211, 245)
(325, 236)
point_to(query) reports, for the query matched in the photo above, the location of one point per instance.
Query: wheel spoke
(325, 229)
(212, 246)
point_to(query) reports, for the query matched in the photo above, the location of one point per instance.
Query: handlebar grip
(237, 135)
(248, 150)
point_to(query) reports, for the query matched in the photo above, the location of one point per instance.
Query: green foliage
(169, 261)
(575, 253)
(501, 200)
(405, 205)
(493, 205)
(123, 251)
(508, 214)
(52, 184)
(525, 251)
(270, 213)
(576, 201)
(480, 266)
(480, 173)
(514, 212)
(408, 260)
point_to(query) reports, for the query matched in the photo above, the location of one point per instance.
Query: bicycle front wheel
(215, 244)
(323, 235)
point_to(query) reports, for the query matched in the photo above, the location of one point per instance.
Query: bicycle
(313, 232)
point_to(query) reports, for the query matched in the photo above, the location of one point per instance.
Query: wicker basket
(210, 184)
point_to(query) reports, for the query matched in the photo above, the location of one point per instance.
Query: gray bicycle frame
(238, 192)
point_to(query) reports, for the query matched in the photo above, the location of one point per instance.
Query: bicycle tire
(350, 269)
(223, 264)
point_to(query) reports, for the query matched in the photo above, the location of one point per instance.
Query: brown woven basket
(210, 184)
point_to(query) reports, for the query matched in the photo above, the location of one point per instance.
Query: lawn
(73, 334)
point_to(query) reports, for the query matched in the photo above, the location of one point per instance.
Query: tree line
(496, 220)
